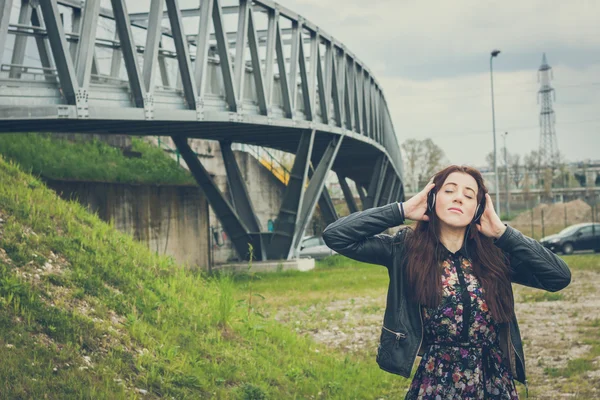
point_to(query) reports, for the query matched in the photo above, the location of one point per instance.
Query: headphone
(478, 211)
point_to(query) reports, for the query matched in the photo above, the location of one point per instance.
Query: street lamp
(493, 54)
(506, 184)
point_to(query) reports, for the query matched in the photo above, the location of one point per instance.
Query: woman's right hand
(416, 207)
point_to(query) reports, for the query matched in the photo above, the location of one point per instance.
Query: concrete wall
(264, 189)
(170, 219)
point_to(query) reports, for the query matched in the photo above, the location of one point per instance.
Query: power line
(511, 93)
(509, 129)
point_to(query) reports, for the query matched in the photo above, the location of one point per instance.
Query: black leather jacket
(357, 236)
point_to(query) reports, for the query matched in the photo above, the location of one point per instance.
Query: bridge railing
(258, 57)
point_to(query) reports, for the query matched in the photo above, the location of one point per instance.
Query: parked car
(584, 236)
(314, 247)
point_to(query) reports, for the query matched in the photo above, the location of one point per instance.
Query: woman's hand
(490, 224)
(416, 207)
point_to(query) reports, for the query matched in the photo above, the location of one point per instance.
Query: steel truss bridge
(253, 72)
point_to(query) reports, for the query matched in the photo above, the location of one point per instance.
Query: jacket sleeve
(358, 236)
(532, 264)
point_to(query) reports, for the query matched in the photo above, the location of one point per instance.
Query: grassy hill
(50, 157)
(87, 312)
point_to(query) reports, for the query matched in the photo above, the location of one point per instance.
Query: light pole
(493, 54)
(506, 184)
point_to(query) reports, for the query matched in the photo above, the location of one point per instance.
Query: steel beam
(183, 57)
(348, 196)
(347, 95)
(239, 194)
(293, 197)
(185, 13)
(358, 127)
(400, 195)
(232, 224)
(324, 90)
(18, 55)
(336, 90)
(224, 60)
(129, 52)
(314, 59)
(393, 189)
(369, 200)
(5, 11)
(272, 28)
(86, 46)
(306, 89)
(386, 186)
(327, 207)
(201, 66)
(153, 34)
(327, 74)
(256, 69)
(116, 58)
(365, 104)
(58, 43)
(362, 195)
(283, 80)
(381, 181)
(75, 28)
(293, 77)
(314, 191)
(240, 49)
(162, 66)
(43, 47)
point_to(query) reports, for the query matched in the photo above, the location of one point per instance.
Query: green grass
(54, 158)
(115, 318)
(542, 296)
(589, 262)
(576, 371)
(333, 278)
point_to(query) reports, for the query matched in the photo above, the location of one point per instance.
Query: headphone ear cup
(431, 201)
(479, 211)
(477, 214)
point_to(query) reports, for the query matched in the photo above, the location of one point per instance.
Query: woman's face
(456, 201)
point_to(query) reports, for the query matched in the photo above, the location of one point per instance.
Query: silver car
(314, 247)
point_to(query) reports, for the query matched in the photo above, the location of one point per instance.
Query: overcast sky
(432, 59)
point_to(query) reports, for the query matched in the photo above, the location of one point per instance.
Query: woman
(450, 297)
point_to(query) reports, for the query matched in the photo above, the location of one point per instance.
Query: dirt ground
(554, 331)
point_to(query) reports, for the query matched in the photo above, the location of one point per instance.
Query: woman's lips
(457, 210)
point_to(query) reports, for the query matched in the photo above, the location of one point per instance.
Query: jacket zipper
(399, 335)
(522, 363)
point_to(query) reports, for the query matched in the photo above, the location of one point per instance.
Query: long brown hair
(489, 264)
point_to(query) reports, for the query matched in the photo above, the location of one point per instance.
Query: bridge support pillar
(347, 193)
(374, 190)
(292, 200)
(314, 190)
(363, 196)
(325, 203)
(239, 195)
(232, 223)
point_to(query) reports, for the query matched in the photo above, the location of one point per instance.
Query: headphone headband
(478, 211)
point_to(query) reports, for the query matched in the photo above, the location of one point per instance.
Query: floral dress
(461, 363)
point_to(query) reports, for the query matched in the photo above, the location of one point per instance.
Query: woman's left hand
(490, 223)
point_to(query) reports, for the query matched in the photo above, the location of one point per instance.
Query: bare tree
(422, 159)
(515, 166)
